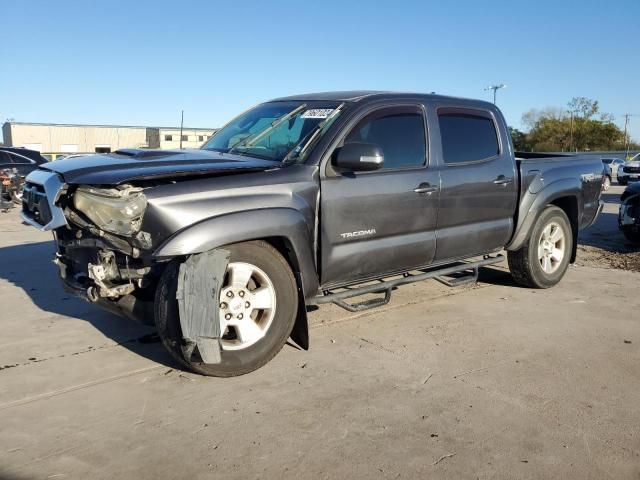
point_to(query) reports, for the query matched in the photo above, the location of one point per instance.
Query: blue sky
(141, 62)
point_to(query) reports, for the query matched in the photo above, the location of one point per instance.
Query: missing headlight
(115, 210)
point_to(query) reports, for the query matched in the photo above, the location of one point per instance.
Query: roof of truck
(345, 96)
(359, 95)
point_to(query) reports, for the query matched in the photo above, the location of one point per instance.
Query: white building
(51, 138)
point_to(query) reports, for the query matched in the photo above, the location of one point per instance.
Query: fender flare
(261, 224)
(533, 204)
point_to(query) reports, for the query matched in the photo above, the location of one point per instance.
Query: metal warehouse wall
(75, 138)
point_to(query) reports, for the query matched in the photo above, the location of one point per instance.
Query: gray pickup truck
(307, 200)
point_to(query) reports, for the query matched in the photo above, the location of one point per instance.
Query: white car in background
(614, 164)
(630, 171)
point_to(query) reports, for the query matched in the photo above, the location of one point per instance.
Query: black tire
(524, 264)
(631, 233)
(606, 184)
(622, 181)
(234, 362)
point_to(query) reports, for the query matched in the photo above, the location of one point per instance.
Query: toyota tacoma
(307, 200)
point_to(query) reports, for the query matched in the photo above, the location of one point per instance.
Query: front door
(382, 221)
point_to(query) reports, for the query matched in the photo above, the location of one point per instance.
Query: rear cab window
(467, 135)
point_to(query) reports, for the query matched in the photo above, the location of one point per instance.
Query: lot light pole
(495, 88)
(626, 138)
(181, 125)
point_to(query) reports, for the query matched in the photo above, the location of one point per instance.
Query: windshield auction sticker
(318, 113)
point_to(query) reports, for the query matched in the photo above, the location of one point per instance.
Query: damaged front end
(101, 251)
(629, 215)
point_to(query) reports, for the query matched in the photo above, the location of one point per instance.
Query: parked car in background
(7, 190)
(630, 171)
(629, 216)
(74, 155)
(614, 164)
(608, 175)
(18, 163)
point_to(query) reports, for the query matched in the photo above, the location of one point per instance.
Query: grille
(41, 189)
(35, 204)
(628, 169)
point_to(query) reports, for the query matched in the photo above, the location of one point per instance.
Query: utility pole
(571, 134)
(495, 89)
(181, 126)
(626, 135)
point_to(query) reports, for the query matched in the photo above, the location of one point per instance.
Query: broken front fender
(282, 223)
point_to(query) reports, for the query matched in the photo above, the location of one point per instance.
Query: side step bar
(387, 286)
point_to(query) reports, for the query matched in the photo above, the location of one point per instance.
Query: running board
(386, 286)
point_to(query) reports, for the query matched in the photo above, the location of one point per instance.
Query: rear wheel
(257, 309)
(543, 260)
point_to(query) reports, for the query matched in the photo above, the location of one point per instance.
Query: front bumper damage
(113, 272)
(103, 281)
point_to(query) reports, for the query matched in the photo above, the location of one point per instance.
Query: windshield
(607, 160)
(279, 131)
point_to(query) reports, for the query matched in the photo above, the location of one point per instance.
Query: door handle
(502, 180)
(425, 188)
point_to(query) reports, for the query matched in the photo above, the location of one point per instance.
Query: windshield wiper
(312, 135)
(252, 139)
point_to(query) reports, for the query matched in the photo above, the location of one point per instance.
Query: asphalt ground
(484, 381)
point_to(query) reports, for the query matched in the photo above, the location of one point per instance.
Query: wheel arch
(564, 194)
(283, 228)
(569, 205)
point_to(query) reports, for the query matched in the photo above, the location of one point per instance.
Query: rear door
(478, 182)
(381, 221)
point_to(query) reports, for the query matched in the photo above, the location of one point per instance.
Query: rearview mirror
(359, 156)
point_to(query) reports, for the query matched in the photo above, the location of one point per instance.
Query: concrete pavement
(493, 381)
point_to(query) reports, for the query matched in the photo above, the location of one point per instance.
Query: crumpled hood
(138, 164)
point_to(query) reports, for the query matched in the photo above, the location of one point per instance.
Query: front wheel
(257, 310)
(544, 259)
(622, 181)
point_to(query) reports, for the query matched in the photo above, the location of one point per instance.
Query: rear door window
(467, 137)
(20, 159)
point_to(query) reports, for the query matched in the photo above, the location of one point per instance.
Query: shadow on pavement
(29, 266)
(497, 276)
(610, 197)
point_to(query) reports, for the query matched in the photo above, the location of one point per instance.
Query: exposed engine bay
(102, 254)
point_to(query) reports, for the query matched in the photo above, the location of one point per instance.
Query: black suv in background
(16, 164)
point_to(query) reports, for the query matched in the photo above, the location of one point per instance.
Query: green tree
(582, 127)
(519, 140)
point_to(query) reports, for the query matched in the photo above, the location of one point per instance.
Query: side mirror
(359, 156)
